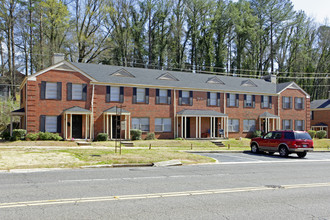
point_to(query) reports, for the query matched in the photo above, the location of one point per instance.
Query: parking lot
(248, 157)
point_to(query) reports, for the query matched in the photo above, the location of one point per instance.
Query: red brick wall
(322, 116)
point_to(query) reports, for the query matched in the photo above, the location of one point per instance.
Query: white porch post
(227, 127)
(273, 120)
(90, 126)
(86, 126)
(196, 127)
(71, 126)
(210, 127)
(125, 127)
(107, 118)
(185, 127)
(111, 127)
(200, 127)
(181, 126)
(129, 127)
(214, 128)
(66, 126)
(260, 124)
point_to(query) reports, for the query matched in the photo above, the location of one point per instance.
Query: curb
(219, 151)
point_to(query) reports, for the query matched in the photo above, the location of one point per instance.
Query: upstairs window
(76, 91)
(163, 96)
(185, 97)
(232, 100)
(287, 102)
(266, 101)
(51, 90)
(115, 94)
(213, 99)
(299, 103)
(141, 95)
(249, 101)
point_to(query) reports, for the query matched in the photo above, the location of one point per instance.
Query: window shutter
(303, 103)
(312, 115)
(237, 99)
(157, 96)
(59, 90)
(191, 98)
(290, 100)
(208, 99)
(244, 100)
(228, 100)
(121, 96)
(43, 90)
(84, 92)
(147, 95)
(69, 91)
(291, 127)
(295, 103)
(295, 124)
(253, 101)
(59, 124)
(134, 95)
(107, 96)
(270, 101)
(218, 99)
(283, 103)
(169, 96)
(262, 101)
(180, 97)
(42, 123)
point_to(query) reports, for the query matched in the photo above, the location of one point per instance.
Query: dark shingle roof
(76, 109)
(268, 115)
(19, 110)
(321, 103)
(281, 86)
(321, 125)
(148, 77)
(113, 110)
(206, 113)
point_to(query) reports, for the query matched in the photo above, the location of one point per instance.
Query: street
(267, 188)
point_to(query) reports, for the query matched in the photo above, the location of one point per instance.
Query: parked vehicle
(284, 142)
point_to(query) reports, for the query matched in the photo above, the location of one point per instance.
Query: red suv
(284, 142)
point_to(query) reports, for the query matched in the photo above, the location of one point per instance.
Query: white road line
(264, 161)
(156, 195)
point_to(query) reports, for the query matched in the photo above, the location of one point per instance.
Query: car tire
(254, 148)
(302, 154)
(271, 153)
(283, 152)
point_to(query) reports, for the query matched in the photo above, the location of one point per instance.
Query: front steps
(218, 143)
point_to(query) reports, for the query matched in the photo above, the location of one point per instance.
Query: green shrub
(56, 137)
(18, 134)
(32, 136)
(102, 137)
(179, 139)
(312, 133)
(150, 136)
(136, 134)
(47, 136)
(256, 133)
(5, 135)
(321, 134)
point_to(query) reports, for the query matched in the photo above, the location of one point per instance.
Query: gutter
(92, 115)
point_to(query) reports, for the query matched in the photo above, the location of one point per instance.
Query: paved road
(272, 190)
(249, 157)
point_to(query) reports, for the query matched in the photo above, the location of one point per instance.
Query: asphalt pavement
(275, 189)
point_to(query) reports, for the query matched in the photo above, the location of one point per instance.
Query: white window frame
(232, 127)
(163, 125)
(299, 103)
(51, 124)
(140, 95)
(266, 101)
(185, 98)
(137, 123)
(248, 101)
(232, 100)
(286, 102)
(77, 93)
(51, 90)
(163, 96)
(287, 124)
(213, 98)
(114, 94)
(250, 126)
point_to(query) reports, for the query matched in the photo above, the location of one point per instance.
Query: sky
(318, 9)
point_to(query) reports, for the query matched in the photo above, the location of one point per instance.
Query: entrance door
(188, 127)
(76, 126)
(115, 127)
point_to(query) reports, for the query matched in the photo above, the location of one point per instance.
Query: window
(299, 103)
(141, 95)
(266, 101)
(287, 125)
(140, 123)
(76, 91)
(289, 135)
(114, 94)
(233, 125)
(163, 125)
(248, 101)
(299, 125)
(213, 98)
(249, 125)
(232, 99)
(51, 124)
(185, 98)
(286, 102)
(268, 135)
(51, 90)
(163, 96)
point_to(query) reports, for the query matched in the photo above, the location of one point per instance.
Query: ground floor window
(163, 125)
(249, 125)
(233, 125)
(140, 124)
(287, 125)
(51, 124)
(299, 125)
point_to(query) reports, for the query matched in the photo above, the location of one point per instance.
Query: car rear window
(289, 135)
(303, 136)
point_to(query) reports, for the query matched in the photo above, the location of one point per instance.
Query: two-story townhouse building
(79, 100)
(320, 115)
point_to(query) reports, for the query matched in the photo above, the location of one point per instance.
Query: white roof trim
(293, 85)
(33, 76)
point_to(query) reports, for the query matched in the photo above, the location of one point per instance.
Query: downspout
(92, 115)
(278, 112)
(174, 112)
(26, 100)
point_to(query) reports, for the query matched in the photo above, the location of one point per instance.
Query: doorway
(115, 127)
(187, 129)
(76, 126)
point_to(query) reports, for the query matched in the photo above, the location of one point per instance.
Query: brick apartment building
(320, 115)
(80, 100)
